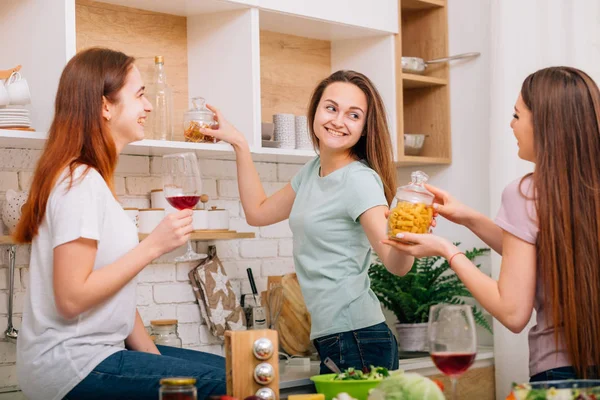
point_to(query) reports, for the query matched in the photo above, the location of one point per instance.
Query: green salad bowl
(330, 388)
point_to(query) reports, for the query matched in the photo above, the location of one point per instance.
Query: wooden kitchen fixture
(248, 354)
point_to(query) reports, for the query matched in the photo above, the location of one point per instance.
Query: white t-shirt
(55, 354)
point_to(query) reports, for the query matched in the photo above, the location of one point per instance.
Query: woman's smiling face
(340, 117)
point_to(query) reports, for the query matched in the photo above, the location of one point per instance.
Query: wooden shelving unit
(412, 81)
(196, 236)
(423, 101)
(422, 4)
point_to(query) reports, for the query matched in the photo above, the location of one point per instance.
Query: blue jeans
(559, 374)
(136, 375)
(554, 374)
(375, 345)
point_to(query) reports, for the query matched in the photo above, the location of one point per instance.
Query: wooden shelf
(221, 235)
(421, 4)
(412, 81)
(408, 161)
(197, 235)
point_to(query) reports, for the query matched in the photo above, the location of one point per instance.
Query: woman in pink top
(547, 229)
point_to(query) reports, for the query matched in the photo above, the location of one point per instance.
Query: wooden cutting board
(293, 323)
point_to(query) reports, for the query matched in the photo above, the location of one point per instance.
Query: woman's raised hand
(225, 132)
(448, 207)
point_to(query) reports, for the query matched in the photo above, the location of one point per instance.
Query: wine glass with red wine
(182, 187)
(452, 340)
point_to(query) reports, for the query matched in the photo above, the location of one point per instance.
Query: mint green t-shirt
(331, 251)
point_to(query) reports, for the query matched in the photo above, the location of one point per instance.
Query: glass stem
(453, 382)
(189, 247)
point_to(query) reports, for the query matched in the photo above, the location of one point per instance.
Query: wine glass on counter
(182, 187)
(452, 340)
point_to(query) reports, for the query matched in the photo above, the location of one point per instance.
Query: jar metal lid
(178, 381)
(152, 209)
(156, 190)
(162, 322)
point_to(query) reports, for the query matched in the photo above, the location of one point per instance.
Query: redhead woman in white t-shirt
(336, 207)
(547, 229)
(81, 336)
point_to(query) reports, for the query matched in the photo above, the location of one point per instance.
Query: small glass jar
(165, 333)
(196, 118)
(179, 388)
(412, 207)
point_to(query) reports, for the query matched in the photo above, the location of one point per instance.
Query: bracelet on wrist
(454, 255)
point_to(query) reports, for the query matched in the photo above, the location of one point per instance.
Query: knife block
(240, 362)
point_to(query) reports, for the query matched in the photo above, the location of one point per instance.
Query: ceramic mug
(158, 200)
(149, 219)
(18, 89)
(134, 215)
(200, 220)
(4, 99)
(218, 219)
(11, 208)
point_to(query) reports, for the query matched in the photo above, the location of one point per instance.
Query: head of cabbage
(406, 386)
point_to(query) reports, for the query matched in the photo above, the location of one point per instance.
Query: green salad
(367, 374)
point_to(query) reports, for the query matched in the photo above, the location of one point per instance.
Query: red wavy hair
(78, 134)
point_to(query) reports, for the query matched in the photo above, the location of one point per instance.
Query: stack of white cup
(284, 130)
(303, 140)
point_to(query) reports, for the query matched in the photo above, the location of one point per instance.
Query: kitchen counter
(294, 375)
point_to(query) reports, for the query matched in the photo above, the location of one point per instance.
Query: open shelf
(408, 5)
(409, 161)
(412, 81)
(14, 139)
(196, 235)
(423, 101)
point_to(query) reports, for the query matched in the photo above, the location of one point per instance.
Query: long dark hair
(565, 106)
(375, 145)
(78, 135)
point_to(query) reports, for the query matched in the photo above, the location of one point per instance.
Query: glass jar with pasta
(412, 207)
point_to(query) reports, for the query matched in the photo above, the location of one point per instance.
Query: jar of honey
(178, 388)
(412, 207)
(196, 118)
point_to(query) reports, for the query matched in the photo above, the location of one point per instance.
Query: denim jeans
(136, 375)
(558, 374)
(375, 345)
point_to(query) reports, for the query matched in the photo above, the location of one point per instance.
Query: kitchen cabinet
(250, 58)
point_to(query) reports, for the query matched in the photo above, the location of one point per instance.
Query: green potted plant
(409, 297)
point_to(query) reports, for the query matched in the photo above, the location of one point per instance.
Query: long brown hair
(565, 106)
(375, 145)
(78, 134)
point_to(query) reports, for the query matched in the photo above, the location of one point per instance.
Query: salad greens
(352, 374)
(407, 386)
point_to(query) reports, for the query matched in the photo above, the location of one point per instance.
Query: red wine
(183, 202)
(453, 364)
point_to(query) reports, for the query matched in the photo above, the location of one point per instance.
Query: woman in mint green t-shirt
(336, 205)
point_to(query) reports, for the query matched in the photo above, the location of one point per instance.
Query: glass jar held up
(196, 118)
(412, 208)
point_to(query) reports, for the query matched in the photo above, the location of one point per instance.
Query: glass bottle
(412, 207)
(196, 118)
(161, 97)
(178, 388)
(165, 332)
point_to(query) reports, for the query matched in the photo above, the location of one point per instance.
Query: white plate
(10, 117)
(18, 125)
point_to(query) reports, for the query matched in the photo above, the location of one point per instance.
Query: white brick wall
(164, 290)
